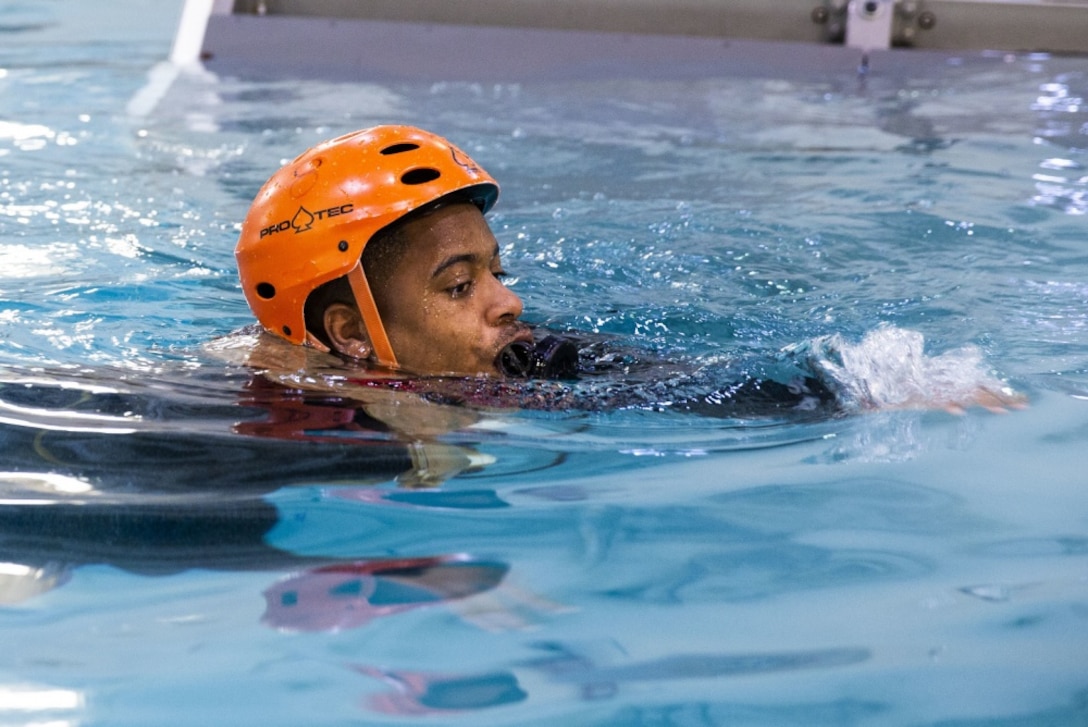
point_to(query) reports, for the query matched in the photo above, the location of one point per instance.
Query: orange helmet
(311, 221)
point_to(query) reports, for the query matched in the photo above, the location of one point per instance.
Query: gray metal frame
(1018, 25)
(485, 40)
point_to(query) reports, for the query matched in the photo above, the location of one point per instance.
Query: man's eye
(460, 289)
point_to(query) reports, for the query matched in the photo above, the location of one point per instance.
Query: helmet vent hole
(266, 290)
(399, 148)
(420, 176)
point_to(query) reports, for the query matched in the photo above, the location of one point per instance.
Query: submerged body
(587, 372)
(814, 380)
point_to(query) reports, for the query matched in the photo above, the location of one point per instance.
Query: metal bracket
(873, 24)
(869, 24)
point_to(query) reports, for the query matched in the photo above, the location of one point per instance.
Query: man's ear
(346, 331)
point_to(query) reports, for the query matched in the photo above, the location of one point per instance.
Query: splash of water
(889, 369)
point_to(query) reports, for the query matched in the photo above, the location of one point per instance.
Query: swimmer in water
(373, 247)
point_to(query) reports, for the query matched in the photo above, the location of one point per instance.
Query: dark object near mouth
(552, 357)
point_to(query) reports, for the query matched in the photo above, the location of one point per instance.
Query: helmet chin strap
(375, 331)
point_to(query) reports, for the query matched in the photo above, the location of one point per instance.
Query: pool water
(183, 542)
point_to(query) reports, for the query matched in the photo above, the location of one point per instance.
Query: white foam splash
(889, 369)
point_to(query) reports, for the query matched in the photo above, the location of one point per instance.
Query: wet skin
(445, 308)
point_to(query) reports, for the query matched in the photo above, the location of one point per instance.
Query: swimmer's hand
(888, 369)
(995, 401)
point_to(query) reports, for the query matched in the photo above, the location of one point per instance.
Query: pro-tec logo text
(304, 219)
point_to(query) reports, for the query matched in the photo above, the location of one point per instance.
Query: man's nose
(505, 305)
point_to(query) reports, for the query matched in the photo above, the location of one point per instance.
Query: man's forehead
(447, 236)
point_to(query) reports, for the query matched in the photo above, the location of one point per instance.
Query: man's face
(444, 306)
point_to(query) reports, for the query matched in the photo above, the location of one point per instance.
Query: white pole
(189, 40)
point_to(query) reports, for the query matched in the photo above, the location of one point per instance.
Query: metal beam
(1017, 25)
(778, 20)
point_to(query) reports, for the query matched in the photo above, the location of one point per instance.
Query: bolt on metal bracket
(873, 24)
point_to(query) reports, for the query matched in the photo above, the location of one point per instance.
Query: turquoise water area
(177, 548)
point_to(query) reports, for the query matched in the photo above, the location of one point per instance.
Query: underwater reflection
(103, 472)
(422, 692)
(349, 595)
(42, 544)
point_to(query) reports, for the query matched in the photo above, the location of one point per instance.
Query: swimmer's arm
(755, 398)
(992, 399)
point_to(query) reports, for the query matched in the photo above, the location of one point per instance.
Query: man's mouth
(517, 332)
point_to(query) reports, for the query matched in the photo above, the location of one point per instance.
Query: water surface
(176, 546)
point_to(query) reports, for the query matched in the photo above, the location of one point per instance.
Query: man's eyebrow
(452, 260)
